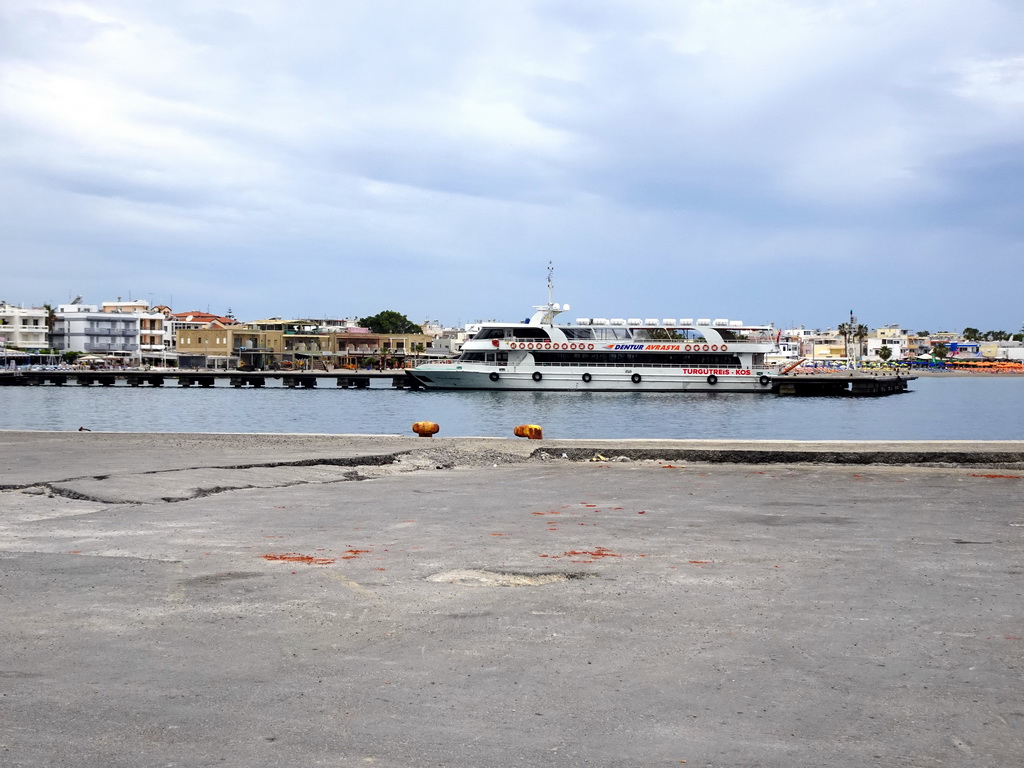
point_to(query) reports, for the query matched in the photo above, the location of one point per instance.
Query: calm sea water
(989, 408)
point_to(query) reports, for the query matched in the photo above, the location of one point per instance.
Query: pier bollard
(531, 431)
(425, 428)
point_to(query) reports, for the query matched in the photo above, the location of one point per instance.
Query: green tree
(924, 333)
(51, 323)
(995, 336)
(853, 333)
(845, 330)
(389, 321)
(940, 351)
(860, 334)
(885, 353)
(971, 334)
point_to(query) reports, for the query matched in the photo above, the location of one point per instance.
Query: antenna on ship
(545, 313)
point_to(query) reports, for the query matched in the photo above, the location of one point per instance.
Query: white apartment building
(22, 328)
(893, 337)
(902, 344)
(86, 328)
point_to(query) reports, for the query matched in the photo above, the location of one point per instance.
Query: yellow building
(206, 346)
(320, 344)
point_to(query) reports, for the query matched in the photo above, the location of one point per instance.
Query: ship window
(578, 333)
(610, 333)
(530, 333)
(490, 333)
(625, 359)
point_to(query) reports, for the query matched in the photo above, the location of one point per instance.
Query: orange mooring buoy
(532, 431)
(425, 428)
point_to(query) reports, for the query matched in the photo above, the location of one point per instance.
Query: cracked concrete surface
(239, 601)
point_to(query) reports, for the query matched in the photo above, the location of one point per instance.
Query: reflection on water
(935, 409)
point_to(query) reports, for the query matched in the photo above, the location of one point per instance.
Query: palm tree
(844, 331)
(885, 353)
(860, 334)
(853, 332)
(51, 323)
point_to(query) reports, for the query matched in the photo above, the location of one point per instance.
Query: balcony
(107, 347)
(106, 332)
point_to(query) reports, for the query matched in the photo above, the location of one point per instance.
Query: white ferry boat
(609, 354)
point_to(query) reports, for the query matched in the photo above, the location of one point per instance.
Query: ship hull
(558, 379)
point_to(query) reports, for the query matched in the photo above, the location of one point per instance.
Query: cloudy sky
(764, 160)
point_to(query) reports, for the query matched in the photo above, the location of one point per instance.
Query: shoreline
(28, 456)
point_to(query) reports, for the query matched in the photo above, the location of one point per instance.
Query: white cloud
(358, 139)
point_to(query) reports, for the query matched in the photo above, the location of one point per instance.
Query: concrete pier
(260, 600)
(300, 379)
(854, 383)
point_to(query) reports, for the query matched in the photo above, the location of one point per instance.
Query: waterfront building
(312, 343)
(88, 329)
(205, 345)
(827, 346)
(1002, 350)
(23, 328)
(200, 339)
(892, 336)
(153, 342)
(955, 344)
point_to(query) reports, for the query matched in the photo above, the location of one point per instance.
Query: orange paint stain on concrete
(295, 557)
